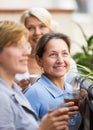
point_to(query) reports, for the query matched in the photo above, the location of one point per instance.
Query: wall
(65, 18)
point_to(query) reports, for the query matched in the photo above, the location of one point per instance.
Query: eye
(42, 26)
(31, 28)
(65, 54)
(53, 55)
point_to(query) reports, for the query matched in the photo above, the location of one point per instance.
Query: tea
(50, 111)
(76, 101)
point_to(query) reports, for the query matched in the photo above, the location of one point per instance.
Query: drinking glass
(72, 96)
(52, 107)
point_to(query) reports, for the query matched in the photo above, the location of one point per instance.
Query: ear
(39, 61)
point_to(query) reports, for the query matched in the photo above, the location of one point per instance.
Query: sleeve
(6, 114)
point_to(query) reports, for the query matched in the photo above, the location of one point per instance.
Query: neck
(9, 79)
(59, 82)
(32, 53)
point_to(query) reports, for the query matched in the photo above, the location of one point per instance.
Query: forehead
(33, 21)
(56, 44)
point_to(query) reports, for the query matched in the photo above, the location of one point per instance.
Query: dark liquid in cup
(50, 111)
(76, 101)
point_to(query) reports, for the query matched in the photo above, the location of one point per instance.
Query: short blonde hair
(11, 32)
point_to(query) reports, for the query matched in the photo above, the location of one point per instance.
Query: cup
(34, 77)
(72, 96)
(53, 107)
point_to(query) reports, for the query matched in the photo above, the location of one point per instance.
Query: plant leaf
(90, 42)
(85, 69)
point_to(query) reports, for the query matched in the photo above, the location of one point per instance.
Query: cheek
(30, 37)
(47, 64)
(13, 59)
(46, 31)
(68, 63)
(30, 34)
(8, 62)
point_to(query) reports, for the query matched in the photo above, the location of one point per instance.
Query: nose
(37, 31)
(60, 59)
(27, 50)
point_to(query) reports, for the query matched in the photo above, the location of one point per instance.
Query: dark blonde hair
(10, 33)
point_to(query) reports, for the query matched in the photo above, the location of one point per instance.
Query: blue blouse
(44, 92)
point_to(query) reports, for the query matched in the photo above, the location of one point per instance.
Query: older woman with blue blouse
(53, 55)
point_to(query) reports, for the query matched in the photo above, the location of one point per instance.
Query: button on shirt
(44, 92)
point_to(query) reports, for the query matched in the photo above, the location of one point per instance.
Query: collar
(51, 88)
(14, 93)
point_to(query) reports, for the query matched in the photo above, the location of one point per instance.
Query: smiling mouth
(59, 67)
(35, 40)
(24, 61)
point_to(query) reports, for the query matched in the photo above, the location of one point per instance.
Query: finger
(73, 108)
(73, 112)
(59, 123)
(69, 104)
(62, 127)
(62, 118)
(60, 111)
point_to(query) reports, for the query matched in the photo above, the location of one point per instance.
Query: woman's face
(14, 58)
(56, 58)
(36, 28)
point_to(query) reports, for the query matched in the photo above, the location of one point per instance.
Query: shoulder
(36, 91)
(32, 90)
(38, 86)
(4, 97)
(5, 104)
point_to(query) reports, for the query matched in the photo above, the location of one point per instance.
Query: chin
(22, 71)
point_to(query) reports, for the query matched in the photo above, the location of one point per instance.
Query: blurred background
(65, 12)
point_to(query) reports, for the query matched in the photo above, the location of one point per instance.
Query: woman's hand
(23, 83)
(73, 110)
(56, 120)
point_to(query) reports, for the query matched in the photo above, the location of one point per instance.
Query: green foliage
(85, 72)
(85, 57)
